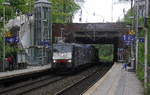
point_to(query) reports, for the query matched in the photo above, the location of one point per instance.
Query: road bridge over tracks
(93, 33)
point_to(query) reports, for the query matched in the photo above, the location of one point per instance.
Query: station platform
(117, 82)
(21, 72)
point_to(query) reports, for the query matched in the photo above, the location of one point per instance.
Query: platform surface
(117, 82)
(30, 69)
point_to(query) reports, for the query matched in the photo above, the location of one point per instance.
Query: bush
(148, 90)
(140, 72)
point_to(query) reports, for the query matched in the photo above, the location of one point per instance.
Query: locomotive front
(62, 56)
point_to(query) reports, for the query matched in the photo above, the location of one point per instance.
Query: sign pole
(137, 40)
(132, 46)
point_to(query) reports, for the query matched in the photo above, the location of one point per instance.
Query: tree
(62, 12)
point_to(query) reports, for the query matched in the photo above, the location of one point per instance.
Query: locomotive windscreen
(62, 51)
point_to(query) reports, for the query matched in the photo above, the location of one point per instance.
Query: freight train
(73, 57)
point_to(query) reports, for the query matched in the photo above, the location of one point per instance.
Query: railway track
(75, 84)
(58, 85)
(28, 86)
(84, 84)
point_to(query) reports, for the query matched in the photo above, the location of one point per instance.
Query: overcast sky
(101, 10)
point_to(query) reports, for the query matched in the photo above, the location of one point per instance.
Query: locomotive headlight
(70, 61)
(62, 54)
(54, 61)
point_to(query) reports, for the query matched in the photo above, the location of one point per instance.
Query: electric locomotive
(73, 56)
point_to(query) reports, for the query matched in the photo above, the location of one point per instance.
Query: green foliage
(105, 52)
(140, 72)
(62, 12)
(141, 55)
(148, 85)
(1, 49)
(127, 18)
(107, 58)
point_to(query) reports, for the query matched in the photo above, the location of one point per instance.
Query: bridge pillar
(116, 44)
(115, 59)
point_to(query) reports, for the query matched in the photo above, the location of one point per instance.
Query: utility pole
(137, 25)
(4, 22)
(18, 37)
(4, 40)
(146, 44)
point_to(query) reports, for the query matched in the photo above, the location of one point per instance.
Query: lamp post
(4, 21)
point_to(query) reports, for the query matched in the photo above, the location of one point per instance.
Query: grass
(140, 74)
(106, 58)
(148, 91)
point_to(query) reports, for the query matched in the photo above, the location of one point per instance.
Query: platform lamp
(6, 3)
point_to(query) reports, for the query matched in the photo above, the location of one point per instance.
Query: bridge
(93, 33)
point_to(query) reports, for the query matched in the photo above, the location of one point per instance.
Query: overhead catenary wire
(90, 14)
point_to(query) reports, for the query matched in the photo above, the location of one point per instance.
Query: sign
(8, 34)
(132, 37)
(128, 37)
(45, 43)
(128, 43)
(142, 40)
(29, 14)
(12, 40)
